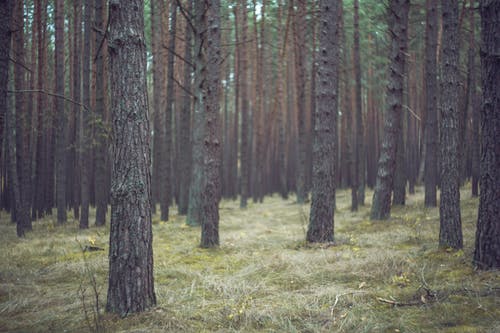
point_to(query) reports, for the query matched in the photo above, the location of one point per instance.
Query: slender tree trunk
(245, 147)
(474, 111)
(237, 68)
(77, 83)
(487, 247)
(6, 9)
(61, 118)
(131, 286)
(212, 146)
(325, 134)
(398, 25)
(450, 231)
(185, 131)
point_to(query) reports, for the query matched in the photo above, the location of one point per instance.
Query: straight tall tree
(245, 146)
(487, 248)
(450, 226)
(131, 284)
(431, 129)
(397, 14)
(321, 218)
(6, 9)
(211, 148)
(61, 118)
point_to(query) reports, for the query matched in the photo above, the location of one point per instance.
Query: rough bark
(61, 117)
(398, 25)
(450, 231)
(321, 219)
(487, 247)
(211, 140)
(474, 110)
(131, 286)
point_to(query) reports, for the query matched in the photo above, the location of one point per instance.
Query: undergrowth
(382, 276)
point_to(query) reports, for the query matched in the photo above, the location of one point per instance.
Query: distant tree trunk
(398, 25)
(450, 231)
(487, 247)
(475, 145)
(101, 194)
(131, 287)
(6, 9)
(211, 140)
(61, 118)
(245, 147)
(165, 162)
(84, 142)
(321, 221)
(185, 130)
(23, 123)
(194, 215)
(236, 120)
(431, 129)
(360, 157)
(300, 61)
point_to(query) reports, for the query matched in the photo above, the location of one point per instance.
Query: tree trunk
(450, 231)
(185, 130)
(131, 286)
(6, 9)
(325, 129)
(487, 247)
(474, 110)
(77, 83)
(211, 139)
(245, 147)
(61, 118)
(84, 142)
(398, 25)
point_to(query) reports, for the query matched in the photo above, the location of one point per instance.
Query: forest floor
(382, 276)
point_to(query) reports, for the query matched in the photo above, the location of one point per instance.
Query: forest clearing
(263, 277)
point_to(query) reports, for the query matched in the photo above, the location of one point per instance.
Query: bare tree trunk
(450, 231)
(321, 219)
(398, 25)
(131, 286)
(487, 247)
(77, 82)
(245, 147)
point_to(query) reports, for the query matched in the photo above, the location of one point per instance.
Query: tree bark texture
(398, 25)
(431, 129)
(487, 248)
(450, 231)
(211, 141)
(131, 287)
(321, 218)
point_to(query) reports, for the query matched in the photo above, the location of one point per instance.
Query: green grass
(263, 278)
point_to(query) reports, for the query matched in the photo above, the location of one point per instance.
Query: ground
(382, 276)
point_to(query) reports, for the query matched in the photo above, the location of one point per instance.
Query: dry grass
(263, 278)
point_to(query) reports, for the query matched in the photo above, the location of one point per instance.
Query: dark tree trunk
(487, 248)
(431, 129)
(211, 139)
(77, 83)
(185, 130)
(131, 287)
(61, 118)
(100, 152)
(400, 174)
(360, 136)
(84, 137)
(450, 231)
(236, 120)
(6, 9)
(474, 110)
(325, 128)
(398, 25)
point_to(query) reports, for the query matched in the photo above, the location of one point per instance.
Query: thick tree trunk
(487, 248)
(131, 287)
(450, 231)
(431, 129)
(398, 25)
(61, 118)
(325, 128)
(211, 139)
